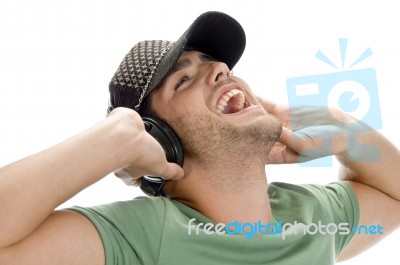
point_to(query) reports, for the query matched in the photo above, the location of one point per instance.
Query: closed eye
(182, 81)
(205, 58)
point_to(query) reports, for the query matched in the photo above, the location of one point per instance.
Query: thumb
(289, 139)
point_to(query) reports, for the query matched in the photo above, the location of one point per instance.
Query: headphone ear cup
(169, 140)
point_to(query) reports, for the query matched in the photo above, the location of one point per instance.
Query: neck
(225, 194)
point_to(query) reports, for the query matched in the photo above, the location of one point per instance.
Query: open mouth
(232, 101)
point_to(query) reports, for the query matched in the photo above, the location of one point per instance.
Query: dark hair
(145, 108)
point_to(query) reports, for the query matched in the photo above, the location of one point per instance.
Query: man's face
(215, 114)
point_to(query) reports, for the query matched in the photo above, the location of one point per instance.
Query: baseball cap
(149, 62)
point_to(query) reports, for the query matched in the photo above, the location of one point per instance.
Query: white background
(57, 57)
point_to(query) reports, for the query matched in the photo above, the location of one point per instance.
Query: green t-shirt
(155, 230)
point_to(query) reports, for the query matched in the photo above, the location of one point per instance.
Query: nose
(217, 72)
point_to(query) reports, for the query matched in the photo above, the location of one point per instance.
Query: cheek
(182, 106)
(191, 102)
(188, 101)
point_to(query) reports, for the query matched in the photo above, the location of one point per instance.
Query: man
(228, 135)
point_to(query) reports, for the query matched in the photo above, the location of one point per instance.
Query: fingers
(282, 151)
(167, 171)
(314, 142)
(173, 172)
(299, 147)
(282, 154)
(131, 175)
(287, 138)
(279, 111)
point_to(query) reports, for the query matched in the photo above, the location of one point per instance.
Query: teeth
(223, 102)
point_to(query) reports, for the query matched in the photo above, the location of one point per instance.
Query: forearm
(383, 173)
(32, 188)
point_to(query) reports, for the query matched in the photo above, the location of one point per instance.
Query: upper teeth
(223, 102)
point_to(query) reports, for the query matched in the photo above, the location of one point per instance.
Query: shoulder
(150, 210)
(319, 191)
(130, 230)
(324, 201)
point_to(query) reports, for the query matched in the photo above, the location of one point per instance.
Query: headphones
(169, 140)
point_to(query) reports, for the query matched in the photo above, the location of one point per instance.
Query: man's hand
(311, 132)
(149, 158)
(369, 162)
(56, 174)
(31, 231)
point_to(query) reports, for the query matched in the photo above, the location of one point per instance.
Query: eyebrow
(182, 64)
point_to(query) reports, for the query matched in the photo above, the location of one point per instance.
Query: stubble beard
(210, 141)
